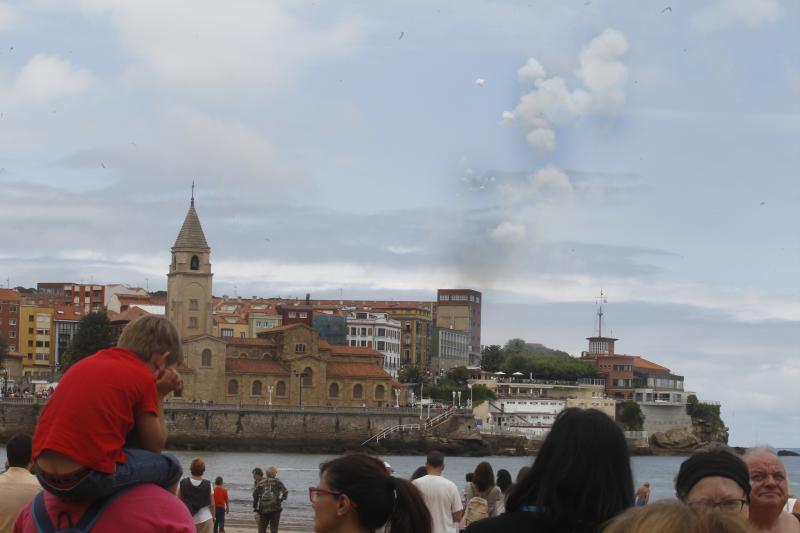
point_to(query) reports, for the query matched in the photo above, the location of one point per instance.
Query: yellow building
(37, 341)
(230, 326)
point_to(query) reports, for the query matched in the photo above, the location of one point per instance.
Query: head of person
(258, 473)
(271, 471)
(716, 477)
(504, 480)
(355, 493)
(523, 472)
(418, 473)
(218, 481)
(18, 450)
(676, 517)
(434, 462)
(198, 467)
(483, 476)
(152, 336)
(768, 480)
(581, 476)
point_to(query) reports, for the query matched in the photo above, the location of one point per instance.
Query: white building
(450, 349)
(379, 332)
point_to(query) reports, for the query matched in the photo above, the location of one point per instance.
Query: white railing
(426, 425)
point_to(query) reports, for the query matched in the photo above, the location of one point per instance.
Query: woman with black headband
(715, 477)
(356, 494)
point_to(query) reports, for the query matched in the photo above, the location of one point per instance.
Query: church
(285, 365)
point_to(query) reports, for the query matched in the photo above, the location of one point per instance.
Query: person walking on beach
(271, 493)
(642, 495)
(440, 495)
(17, 485)
(79, 444)
(769, 493)
(222, 505)
(198, 495)
(357, 495)
(580, 479)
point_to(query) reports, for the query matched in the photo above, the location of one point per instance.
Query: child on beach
(79, 446)
(221, 505)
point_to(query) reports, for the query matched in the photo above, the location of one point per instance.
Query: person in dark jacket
(580, 479)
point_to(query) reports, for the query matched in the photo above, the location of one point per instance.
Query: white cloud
(551, 181)
(603, 74)
(723, 14)
(508, 232)
(207, 46)
(9, 17)
(47, 77)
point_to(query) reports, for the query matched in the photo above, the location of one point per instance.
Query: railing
(426, 425)
(636, 435)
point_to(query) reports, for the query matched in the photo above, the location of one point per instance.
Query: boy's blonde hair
(676, 517)
(150, 335)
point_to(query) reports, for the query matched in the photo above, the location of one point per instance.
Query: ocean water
(300, 471)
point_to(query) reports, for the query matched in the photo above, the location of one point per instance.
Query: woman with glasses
(356, 494)
(715, 477)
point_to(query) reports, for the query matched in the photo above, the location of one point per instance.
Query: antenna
(192, 203)
(600, 301)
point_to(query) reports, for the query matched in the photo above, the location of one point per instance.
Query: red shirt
(94, 408)
(220, 496)
(145, 507)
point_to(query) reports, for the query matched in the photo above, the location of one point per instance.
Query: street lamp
(469, 386)
(302, 376)
(269, 389)
(454, 398)
(397, 398)
(459, 399)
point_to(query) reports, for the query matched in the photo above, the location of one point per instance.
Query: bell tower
(189, 279)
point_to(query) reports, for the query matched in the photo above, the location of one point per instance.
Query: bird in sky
(401, 35)
(666, 9)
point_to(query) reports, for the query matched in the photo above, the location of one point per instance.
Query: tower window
(193, 322)
(194, 264)
(194, 305)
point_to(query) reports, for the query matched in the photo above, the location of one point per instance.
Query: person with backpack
(198, 495)
(270, 494)
(482, 495)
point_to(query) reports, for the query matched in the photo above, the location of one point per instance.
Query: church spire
(191, 234)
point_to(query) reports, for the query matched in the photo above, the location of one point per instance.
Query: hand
(168, 380)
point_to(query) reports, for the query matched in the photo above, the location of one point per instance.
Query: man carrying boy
(103, 402)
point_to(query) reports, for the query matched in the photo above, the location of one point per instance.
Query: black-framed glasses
(732, 505)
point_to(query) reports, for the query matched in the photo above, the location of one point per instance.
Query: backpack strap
(42, 519)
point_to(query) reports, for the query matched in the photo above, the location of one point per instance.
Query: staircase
(424, 426)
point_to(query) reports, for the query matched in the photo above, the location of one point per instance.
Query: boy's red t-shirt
(95, 406)
(220, 496)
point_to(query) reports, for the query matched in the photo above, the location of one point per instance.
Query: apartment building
(369, 329)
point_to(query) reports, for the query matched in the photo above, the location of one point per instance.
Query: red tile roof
(229, 319)
(255, 366)
(279, 329)
(9, 295)
(640, 362)
(356, 370)
(357, 351)
(129, 315)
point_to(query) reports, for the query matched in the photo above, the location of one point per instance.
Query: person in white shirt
(441, 496)
(198, 495)
(17, 485)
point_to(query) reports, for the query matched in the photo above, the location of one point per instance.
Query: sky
(537, 151)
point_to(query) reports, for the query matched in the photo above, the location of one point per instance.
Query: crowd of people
(102, 467)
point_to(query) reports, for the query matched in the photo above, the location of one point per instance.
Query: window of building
(280, 388)
(381, 332)
(363, 343)
(12, 334)
(194, 305)
(30, 331)
(256, 389)
(193, 322)
(302, 315)
(178, 393)
(361, 316)
(333, 390)
(292, 314)
(381, 346)
(12, 321)
(30, 344)
(308, 377)
(233, 387)
(444, 298)
(12, 308)
(194, 263)
(380, 392)
(300, 347)
(363, 331)
(30, 318)
(358, 391)
(205, 358)
(242, 335)
(12, 347)
(352, 343)
(227, 332)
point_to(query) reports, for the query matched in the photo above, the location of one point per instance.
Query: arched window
(380, 392)
(205, 358)
(308, 378)
(358, 392)
(233, 387)
(280, 389)
(256, 388)
(194, 264)
(333, 390)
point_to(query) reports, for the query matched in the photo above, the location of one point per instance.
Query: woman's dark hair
(258, 472)
(418, 473)
(522, 472)
(581, 476)
(504, 480)
(379, 497)
(483, 477)
(469, 476)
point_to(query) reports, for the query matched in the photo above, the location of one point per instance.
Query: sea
(301, 471)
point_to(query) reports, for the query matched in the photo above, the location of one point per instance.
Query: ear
(344, 505)
(160, 360)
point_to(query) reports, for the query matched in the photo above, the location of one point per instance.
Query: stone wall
(18, 418)
(661, 417)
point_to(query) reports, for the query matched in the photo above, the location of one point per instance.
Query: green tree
(3, 347)
(94, 334)
(23, 290)
(409, 374)
(630, 416)
(514, 347)
(458, 375)
(491, 358)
